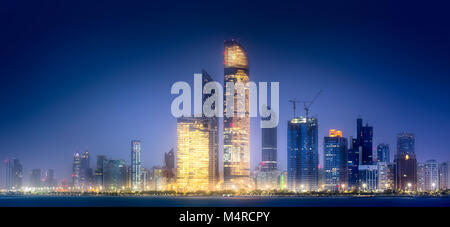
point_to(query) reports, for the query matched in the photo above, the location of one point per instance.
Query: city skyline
(57, 110)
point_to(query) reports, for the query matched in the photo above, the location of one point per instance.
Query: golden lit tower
(196, 147)
(197, 150)
(236, 130)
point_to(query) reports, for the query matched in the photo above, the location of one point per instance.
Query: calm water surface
(150, 201)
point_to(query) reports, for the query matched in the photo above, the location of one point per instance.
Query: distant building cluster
(349, 164)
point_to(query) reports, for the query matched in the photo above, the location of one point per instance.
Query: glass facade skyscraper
(269, 148)
(335, 148)
(431, 175)
(406, 162)
(76, 166)
(136, 165)
(365, 137)
(383, 154)
(236, 129)
(353, 163)
(303, 156)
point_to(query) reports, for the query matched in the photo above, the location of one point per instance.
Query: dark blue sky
(96, 75)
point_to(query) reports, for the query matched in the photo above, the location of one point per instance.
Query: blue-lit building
(353, 163)
(360, 152)
(406, 162)
(368, 177)
(115, 175)
(269, 147)
(383, 154)
(365, 137)
(303, 156)
(335, 161)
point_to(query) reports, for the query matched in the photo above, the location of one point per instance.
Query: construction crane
(306, 104)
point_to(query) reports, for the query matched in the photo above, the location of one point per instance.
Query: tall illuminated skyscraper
(197, 151)
(431, 170)
(236, 129)
(303, 155)
(86, 175)
(269, 147)
(335, 161)
(406, 162)
(136, 165)
(444, 173)
(76, 171)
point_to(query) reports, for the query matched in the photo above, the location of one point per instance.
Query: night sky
(98, 74)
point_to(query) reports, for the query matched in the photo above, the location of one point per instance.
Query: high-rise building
(269, 147)
(266, 176)
(236, 129)
(14, 174)
(35, 178)
(368, 177)
(364, 137)
(421, 177)
(353, 163)
(49, 179)
(266, 179)
(406, 163)
(76, 166)
(444, 173)
(383, 154)
(169, 168)
(196, 153)
(102, 161)
(431, 170)
(86, 175)
(144, 179)
(335, 161)
(136, 165)
(383, 176)
(197, 150)
(303, 156)
(391, 176)
(115, 175)
(157, 179)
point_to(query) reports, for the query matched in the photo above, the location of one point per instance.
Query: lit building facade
(115, 175)
(303, 155)
(420, 177)
(431, 175)
(196, 154)
(49, 179)
(444, 173)
(86, 175)
(335, 161)
(99, 177)
(236, 129)
(383, 176)
(406, 163)
(368, 177)
(365, 137)
(35, 178)
(136, 165)
(353, 163)
(383, 154)
(269, 147)
(76, 166)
